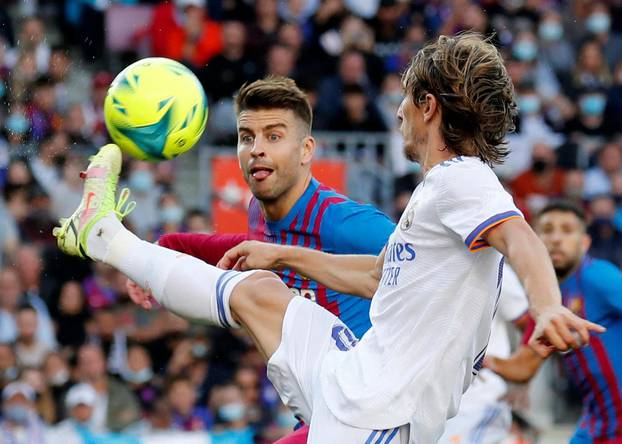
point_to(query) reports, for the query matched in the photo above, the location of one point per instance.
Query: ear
(308, 150)
(430, 107)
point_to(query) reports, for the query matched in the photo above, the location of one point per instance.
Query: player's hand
(558, 329)
(251, 255)
(138, 295)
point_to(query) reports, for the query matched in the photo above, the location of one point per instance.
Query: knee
(263, 289)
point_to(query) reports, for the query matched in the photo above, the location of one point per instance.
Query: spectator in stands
(8, 365)
(147, 194)
(116, 406)
(10, 296)
(29, 266)
(606, 237)
(71, 316)
(598, 23)
(542, 181)
(181, 395)
(71, 85)
(357, 113)
(281, 61)
(598, 178)
(32, 38)
(140, 378)
(20, 423)
(57, 375)
(591, 71)
(44, 399)
(232, 424)
(110, 335)
(80, 404)
(40, 109)
(93, 109)
(352, 70)
(554, 47)
(181, 30)
(198, 221)
(22, 75)
(171, 217)
(29, 349)
(263, 31)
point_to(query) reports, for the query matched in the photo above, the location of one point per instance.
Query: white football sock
(183, 284)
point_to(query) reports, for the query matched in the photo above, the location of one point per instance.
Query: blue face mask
(525, 50)
(141, 181)
(598, 23)
(394, 98)
(172, 215)
(551, 31)
(17, 413)
(17, 123)
(593, 105)
(199, 350)
(139, 377)
(232, 412)
(529, 104)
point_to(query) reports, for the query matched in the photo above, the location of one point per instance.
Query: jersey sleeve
(209, 248)
(607, 278)
(513, 302)
(471, 201)
(353, 228)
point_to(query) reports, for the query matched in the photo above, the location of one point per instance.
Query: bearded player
(434, 287)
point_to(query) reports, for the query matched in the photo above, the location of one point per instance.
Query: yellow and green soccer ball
(155, 109)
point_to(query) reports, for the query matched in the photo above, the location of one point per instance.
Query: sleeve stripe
(475, 242)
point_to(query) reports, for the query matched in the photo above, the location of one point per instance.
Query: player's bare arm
(346, 273)
(519, 368)
(556, 326)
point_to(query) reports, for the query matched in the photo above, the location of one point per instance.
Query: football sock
(183, 284)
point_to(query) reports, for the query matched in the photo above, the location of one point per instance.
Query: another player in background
(436, 281)
(484, 417)
(591, 288)
(289, 206)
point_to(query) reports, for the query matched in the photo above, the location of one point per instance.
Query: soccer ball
(155, 109)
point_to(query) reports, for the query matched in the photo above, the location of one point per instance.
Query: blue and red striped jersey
(594, 292)
(326, 220)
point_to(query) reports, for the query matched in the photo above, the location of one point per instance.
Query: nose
(257, 150)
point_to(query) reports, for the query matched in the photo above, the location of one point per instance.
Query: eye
(274, 137)
(246, 138)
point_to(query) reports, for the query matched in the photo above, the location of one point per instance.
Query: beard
(563, 270)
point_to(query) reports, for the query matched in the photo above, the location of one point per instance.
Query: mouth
(556, 255)
(260, 173)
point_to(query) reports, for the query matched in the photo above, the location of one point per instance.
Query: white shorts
(488, 424)
(309, 333)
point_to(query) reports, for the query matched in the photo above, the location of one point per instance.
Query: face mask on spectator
(286, 420)
(139, 377)
(525, 50)
(551, 31)
(529, 104)
(17, 123)
(2, 89)
(141, 181)
(593, 105)
(199, 350)
(17, 413)
(172, 215)
(539, 165)
(59, 378)
(232, 412)
(394, 98)
(598, 22)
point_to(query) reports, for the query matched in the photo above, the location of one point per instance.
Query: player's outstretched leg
(181, 283)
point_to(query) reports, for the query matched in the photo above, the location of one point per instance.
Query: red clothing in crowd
(168, 37)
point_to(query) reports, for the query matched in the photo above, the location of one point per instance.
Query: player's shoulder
(464, 174)
(600, 272)
(340, 206)
(464, 166)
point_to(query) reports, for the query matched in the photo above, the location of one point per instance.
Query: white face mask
(59, 378)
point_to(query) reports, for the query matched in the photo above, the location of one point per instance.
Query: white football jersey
(433, 309)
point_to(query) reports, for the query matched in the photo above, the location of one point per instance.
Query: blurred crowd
(77, 359)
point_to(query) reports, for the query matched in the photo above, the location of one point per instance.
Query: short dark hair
(467, 77)
(274, 92)
(564, 206)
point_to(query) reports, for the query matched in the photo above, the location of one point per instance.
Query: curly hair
(467, 77)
